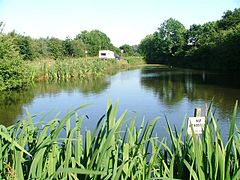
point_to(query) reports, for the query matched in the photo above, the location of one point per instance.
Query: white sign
(196, 124)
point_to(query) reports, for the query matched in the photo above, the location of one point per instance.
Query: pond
(150, 92)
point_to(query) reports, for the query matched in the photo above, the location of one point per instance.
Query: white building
(106, 54)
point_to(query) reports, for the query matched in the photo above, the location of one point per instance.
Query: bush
(14, 74)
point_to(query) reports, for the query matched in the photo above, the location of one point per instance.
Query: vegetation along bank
(211, 46)
(24, 59)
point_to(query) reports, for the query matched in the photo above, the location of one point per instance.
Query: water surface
(149, 91)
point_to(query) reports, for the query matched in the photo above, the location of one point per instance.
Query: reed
(61, 149)
(75, 68)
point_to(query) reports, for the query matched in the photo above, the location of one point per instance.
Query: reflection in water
(11, 103)
(91, 86)
(168, 88)
(172, 85)
(151, 92)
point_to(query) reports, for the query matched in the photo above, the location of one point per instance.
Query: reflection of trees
(11, 103)
(93, 86)
(86, 86)
(171, 86)
(168, 88)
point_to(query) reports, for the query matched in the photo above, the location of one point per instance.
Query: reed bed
(75, 68)
(115, 150)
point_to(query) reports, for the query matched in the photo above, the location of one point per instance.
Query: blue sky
(125, 21)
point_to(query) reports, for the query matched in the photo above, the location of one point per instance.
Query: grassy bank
(17, 74)
(79, 68)
(115, 150)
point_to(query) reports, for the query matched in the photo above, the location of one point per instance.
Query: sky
(123, 21)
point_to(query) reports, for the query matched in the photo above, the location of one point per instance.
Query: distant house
(106, 54)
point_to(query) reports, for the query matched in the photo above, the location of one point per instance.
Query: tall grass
(115, 150)
(134, 60)
(75, 68)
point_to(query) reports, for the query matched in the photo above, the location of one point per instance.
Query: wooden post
(197, 113)
(196, 124)
(206, 110)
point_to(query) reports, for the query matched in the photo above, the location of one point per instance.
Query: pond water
(149, 92)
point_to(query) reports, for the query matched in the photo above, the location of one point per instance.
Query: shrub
(13, 71)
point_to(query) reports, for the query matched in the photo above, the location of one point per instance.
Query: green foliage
(171, 35)
(43, 49)
(78, 48)
(129, 50)
(213, 45)
(73, 48)
(68, 49)
(25, 48)
(79, 68)
(148, 48)
(215, 50)
(14, 73)
(55, 48)
(229, 20)
(134, 60)
(115, 150)
(166, 43)
(94, 41)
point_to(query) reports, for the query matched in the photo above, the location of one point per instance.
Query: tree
(14, 73)
(193, 34)
(172, 36)
(209, 35)
(43, 47)
(78, 48)
(55, 48)
(149, 48)
(229, 19)
(25, 47)
(128, 50)
(73, 48)
(68, 49)
(94, 41)
(168, 42)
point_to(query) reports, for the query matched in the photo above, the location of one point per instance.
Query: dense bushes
(14, 73)
(16, 52)
(213, 45)
(85, 43)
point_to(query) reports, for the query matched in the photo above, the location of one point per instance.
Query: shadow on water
(88, 86)
(150, 91)
(12, 103)
(182, 90)
(173, 85)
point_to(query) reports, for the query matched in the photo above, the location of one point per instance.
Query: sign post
(196, 124)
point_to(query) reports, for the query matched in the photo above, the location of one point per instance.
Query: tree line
(86, 42)
(15, 49)
(213, 45)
